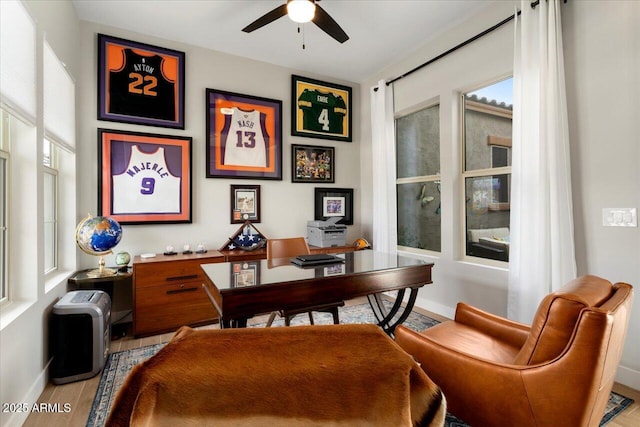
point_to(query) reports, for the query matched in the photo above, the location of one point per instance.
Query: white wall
(602, 64)
(602, 54)
(286, 207)
(24, 353)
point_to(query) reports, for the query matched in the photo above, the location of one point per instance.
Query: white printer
(325, 234)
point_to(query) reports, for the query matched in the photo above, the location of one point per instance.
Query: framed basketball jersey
(244, 136)
(320, 109)
(144, 178)
(140, 83)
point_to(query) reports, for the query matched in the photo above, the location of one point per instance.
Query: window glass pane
(419, 215)
(50, 223)
(500, 156)
(487, 137)
(418, 143)
(46, 153)
(487, 220)
(487, 118)
(3, 229)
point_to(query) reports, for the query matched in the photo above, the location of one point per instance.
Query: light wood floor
(80, 394)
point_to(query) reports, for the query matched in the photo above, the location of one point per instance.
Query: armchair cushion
(555, 320)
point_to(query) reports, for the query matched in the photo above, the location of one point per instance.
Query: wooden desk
(167, 292)
(364, 273)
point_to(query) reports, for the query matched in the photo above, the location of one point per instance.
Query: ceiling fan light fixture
(301, 11)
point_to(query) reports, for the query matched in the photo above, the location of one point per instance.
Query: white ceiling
(380, 31)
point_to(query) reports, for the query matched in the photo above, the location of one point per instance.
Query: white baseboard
(17, 419)
(442, 310)
(629, 377)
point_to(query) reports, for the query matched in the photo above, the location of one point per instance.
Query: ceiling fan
(302, 11)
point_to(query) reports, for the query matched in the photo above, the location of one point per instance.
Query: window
(50, 207)
(418, 179)
(18, 109)
(487, 121)
(57, 157)
(4, 187)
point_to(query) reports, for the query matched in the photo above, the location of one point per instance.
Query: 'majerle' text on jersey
(322, 111)
(140, 88)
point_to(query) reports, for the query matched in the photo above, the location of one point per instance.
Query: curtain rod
(463, 44)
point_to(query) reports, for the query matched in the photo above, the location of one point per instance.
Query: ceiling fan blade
(328, 25)
(267, 18)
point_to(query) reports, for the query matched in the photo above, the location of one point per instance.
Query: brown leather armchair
(557, 372)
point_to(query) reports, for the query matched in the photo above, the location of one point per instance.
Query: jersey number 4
(143, 85)
(323, 119)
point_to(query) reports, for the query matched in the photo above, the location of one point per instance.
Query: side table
(119, 288)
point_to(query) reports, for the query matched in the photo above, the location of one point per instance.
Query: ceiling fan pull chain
(303, 46)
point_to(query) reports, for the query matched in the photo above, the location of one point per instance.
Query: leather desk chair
(557, 372)
(289, 248)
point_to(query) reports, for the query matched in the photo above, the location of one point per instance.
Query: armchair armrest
(505, 330)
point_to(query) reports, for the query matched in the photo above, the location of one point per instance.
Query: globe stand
(101, 271)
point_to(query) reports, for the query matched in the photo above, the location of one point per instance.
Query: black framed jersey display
(140, 83)
(320, 109)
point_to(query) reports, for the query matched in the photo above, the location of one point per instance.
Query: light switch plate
(620, 217)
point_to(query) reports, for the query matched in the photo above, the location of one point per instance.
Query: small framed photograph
(311, 163)
(140, 83)
(144, 178)
(334, 202)
(334, 270)
(244, 136)
(245, 203)
(320, 109)
(245, 273)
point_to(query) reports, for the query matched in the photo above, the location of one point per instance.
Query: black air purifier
(80, 335)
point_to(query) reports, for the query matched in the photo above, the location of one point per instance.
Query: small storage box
(80, 335)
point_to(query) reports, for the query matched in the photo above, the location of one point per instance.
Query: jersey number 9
(148, 185)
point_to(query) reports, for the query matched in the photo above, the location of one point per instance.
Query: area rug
(119, 364)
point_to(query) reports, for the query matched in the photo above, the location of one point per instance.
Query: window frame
(421, 179)
(4, 220)
(48, 270)
(481, 172)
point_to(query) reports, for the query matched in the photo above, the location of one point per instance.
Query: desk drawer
(167, 307)
(165, 273)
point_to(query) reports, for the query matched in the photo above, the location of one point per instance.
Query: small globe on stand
(97, 235)
(122, 261)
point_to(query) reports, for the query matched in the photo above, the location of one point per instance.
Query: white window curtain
(385, 238)
(17, 60)
(59, 101)
(542, 253)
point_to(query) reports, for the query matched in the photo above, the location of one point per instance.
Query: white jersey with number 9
(146, 186)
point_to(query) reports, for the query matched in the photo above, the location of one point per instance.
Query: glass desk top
(238, 274)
